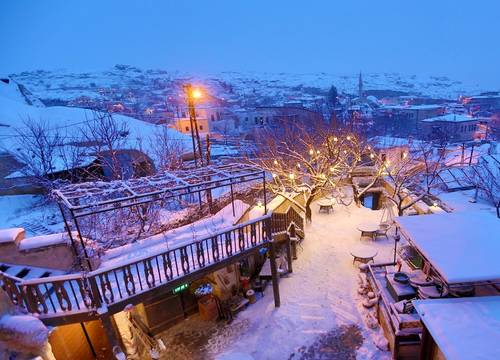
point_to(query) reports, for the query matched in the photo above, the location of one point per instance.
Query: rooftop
(461, 246)
(464, 328)
(413, 107)
(452, 118)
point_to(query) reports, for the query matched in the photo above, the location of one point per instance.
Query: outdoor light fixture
(196, 93)
(335, 139)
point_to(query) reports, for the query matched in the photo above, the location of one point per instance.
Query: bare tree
(165, 150)
(305, 160)
(414, 174)
(106, 137)
(486, 178)
(38, 147)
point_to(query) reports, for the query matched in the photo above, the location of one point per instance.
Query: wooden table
(363, 254)
(325, 205)
(369, 229)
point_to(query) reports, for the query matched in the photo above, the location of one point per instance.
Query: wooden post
(289, 253)
(274, 273)
(109, 329)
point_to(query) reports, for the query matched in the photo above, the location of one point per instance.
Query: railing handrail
(57, 295)
(152, 255)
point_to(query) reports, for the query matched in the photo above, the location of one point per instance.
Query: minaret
(360, 86)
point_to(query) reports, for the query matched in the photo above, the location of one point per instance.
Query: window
(256, 120)
(201, 127)
(212, 117)
(187, 128)
(246, 119)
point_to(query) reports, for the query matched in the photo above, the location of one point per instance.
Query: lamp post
(191, 95)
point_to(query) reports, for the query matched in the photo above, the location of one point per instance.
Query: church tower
(360, 86)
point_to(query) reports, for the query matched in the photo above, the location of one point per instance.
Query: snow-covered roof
(97, 196)
(455, 118)
(463, 247)
(413, 107)
(387, 142)
(464, 328)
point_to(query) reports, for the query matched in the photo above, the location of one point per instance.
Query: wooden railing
(59, 295)
(117, 286)
(282, 221)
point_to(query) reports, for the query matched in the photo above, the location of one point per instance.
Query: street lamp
(191, 95)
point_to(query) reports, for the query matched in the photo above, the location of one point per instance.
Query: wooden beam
(274, 272)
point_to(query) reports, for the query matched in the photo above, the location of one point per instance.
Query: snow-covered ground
(31, 212)
(316, 300)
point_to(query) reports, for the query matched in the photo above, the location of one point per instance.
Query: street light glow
(196, 93)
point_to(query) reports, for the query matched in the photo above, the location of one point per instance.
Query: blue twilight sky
(457, 38)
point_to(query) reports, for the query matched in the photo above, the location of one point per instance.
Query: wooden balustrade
(85, 293)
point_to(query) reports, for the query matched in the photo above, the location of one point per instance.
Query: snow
(156, 244)
(462, 246)
(14, 110)
(319, 296)
(10, 235)
(25, 326)
(387, 142)
(31, 212)
(465, 328)
(456, 118)
(43, 240)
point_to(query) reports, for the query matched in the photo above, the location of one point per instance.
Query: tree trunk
(308, 209)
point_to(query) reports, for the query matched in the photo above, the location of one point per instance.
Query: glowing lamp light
(348, 138)
(196, 93)
(311, 152)
(275, 162)
(435, 204)
(372, 156)
(298, 165)
(345, 151)
(335, 139)
(369, 147)
(292, 176)
(317, 151)
(332, 169)
(274, 175)
(405, 154)
(259, 203)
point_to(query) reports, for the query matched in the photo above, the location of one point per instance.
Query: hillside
(140, 88)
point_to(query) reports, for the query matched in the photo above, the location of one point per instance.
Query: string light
(348, 138)
(298, 165)
(332, 169)
(317, 152)
(372, 156)
(335, 139)
(311, 152)
(274, 175)
(275, 162)
(292, 176)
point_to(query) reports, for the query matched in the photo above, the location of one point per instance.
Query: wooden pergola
(77, 201)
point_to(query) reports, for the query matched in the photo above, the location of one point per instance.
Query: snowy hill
(140, 88)
(15, 109)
